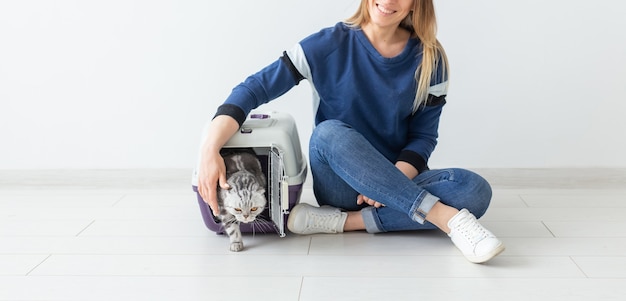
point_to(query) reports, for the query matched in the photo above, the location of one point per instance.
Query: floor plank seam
(28, 274)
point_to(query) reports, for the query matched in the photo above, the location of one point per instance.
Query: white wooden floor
(138, 235)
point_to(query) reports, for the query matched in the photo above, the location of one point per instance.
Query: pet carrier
(273, 137)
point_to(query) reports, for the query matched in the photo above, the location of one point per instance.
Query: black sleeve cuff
(297, 76)
(414, 159)
(436, 100)
(233, 111)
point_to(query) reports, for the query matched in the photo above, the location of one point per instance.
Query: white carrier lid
(267, 130)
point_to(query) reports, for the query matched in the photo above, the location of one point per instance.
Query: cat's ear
(261, 190)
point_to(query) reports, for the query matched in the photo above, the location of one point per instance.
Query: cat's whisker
(261, 227)
(269, 227)
(255, 228)
(254, 224)
(264, 224)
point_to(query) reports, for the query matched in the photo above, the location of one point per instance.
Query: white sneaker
(476, 243)
(307, 219)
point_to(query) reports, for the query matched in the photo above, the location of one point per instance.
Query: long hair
(422, 23)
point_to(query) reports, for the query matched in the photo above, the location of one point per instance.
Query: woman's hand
(212, 168)
(212, 173)
(361, 199)
(406, 168)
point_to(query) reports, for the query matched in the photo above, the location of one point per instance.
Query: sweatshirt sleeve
(266, 85)
(424, 124)
(423, 134)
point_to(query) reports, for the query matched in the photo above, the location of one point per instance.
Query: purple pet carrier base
(214, 225)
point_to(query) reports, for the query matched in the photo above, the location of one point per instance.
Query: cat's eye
(238, 209)
(254, 209)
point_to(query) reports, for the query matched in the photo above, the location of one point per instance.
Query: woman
(379, 83)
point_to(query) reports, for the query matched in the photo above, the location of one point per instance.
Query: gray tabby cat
(246, 197)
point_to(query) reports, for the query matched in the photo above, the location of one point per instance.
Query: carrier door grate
(277, 195)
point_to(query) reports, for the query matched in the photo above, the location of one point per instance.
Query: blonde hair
(422, 23)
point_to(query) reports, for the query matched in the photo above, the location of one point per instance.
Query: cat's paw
(236, 246)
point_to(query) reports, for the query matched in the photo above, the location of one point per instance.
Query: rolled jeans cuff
(370, 218)
(425, 201)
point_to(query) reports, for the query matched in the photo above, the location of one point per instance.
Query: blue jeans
(344, 164)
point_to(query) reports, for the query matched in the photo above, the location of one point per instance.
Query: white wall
(129, 84)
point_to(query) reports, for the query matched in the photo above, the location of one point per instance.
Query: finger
(359, 199)
(377, 204)
(369, 201)
(223, 183)
(203, 193)
(211, 200)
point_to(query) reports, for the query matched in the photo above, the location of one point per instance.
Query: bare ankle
(354, 222)
(440, 215)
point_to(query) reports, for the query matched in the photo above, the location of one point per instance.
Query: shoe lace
(323, 221)
(472, 230)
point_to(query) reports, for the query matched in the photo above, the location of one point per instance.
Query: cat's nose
(245, 216)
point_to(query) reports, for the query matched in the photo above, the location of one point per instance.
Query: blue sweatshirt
(353, 83)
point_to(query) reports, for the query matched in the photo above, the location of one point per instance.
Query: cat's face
(245, 205)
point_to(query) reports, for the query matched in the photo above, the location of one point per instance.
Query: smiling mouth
(384, 10)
